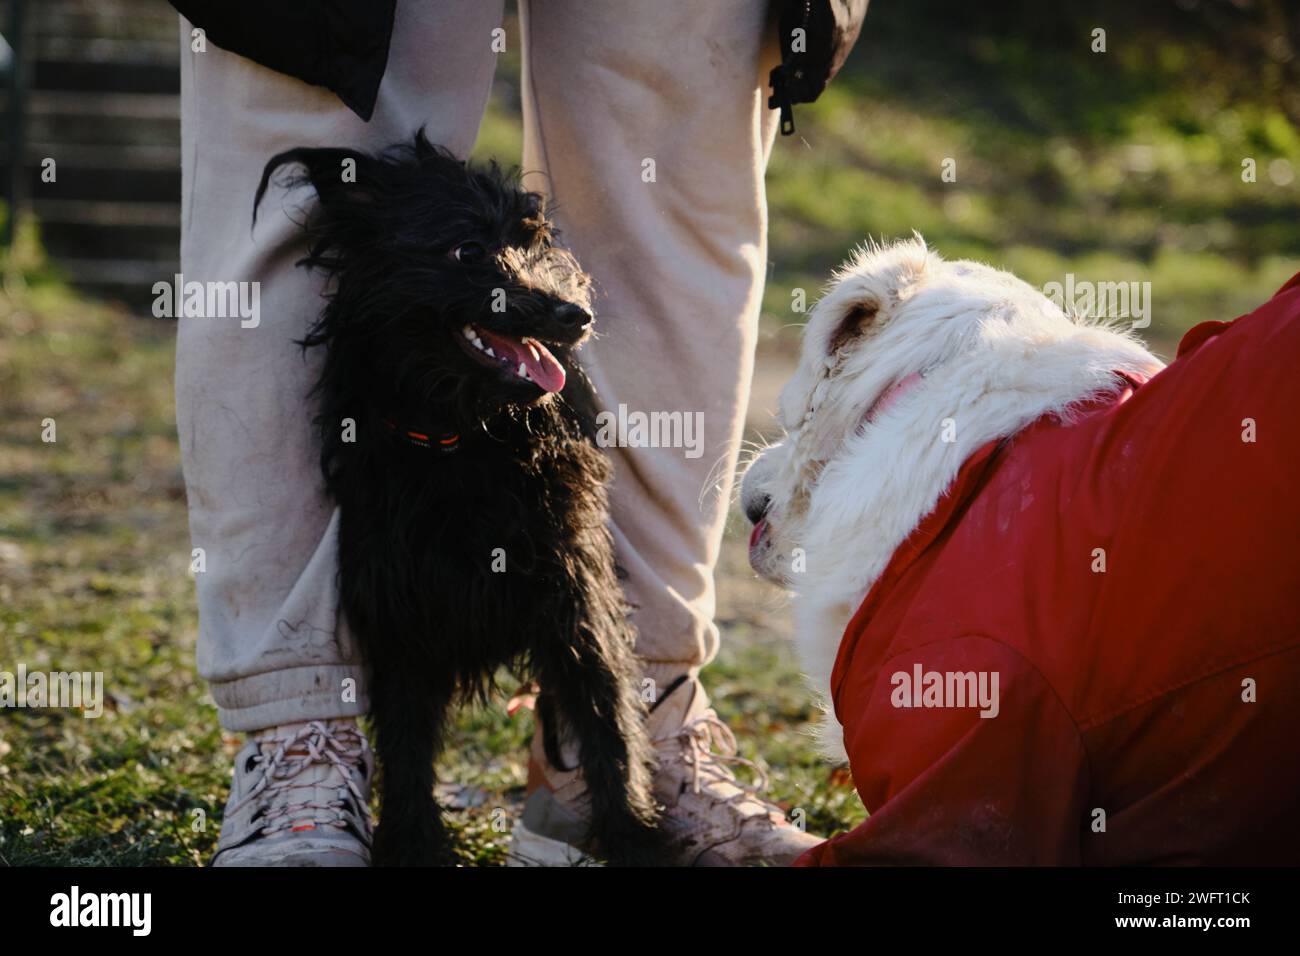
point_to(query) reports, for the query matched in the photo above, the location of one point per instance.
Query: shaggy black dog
(458, 440)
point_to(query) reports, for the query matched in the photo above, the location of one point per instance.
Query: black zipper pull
(787, 118)
(780, 99)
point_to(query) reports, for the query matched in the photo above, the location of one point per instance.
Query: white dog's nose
(756, 508)
(754, 501)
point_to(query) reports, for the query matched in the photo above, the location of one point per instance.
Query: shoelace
(698, 738)
(342, 746)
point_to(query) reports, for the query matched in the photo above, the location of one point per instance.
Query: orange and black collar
(443, 440)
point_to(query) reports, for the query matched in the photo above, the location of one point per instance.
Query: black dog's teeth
(472, 335)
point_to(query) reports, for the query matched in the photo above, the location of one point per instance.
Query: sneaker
(300, 797)
(710, 818)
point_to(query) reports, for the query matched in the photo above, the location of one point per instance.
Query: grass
(93, 576)
(1118, 166)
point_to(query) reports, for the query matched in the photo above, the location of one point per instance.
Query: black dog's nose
(756, 508)
(571, 316)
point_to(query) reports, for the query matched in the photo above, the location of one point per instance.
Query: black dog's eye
(470, 252)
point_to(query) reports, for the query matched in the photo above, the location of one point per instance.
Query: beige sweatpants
(647, 125)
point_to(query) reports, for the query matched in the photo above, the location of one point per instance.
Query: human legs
(279, 660)
(270, 645)
(647, 126)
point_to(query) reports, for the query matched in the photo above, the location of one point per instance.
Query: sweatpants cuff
(290, 696)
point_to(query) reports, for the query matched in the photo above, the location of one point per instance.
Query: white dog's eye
(853, 324)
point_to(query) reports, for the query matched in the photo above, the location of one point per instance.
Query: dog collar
(883, 402)
(447, 442)
(891, 395)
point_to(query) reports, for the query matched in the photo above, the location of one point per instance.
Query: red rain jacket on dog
(1158, 698)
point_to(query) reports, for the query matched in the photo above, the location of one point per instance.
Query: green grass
(93, 577)
(1122, 166)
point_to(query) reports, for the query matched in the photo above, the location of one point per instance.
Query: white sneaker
(300, 797)
(710, 818)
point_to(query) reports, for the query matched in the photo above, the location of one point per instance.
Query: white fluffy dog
(909, 364)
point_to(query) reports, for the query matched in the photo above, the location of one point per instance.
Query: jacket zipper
(780, 79)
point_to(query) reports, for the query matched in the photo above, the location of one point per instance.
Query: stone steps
(103, 80)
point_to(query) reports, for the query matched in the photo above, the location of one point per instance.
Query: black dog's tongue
(543, 367)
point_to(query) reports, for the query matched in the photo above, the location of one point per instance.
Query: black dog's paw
(422, 846)
(634, 843)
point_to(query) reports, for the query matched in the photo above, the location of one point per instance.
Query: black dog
(458, 441)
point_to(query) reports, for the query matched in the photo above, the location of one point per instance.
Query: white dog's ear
(858, 318)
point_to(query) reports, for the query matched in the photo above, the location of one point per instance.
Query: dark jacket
(342, 45)
(810, 60)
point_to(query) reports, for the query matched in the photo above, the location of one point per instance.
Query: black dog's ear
(339, 177)
(431, 159)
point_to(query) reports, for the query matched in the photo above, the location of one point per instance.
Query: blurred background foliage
(1122, 165)
(1118, 165)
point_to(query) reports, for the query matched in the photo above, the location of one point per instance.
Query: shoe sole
(528, 848)
(303, 852)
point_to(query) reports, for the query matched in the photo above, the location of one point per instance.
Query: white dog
(909, 364)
